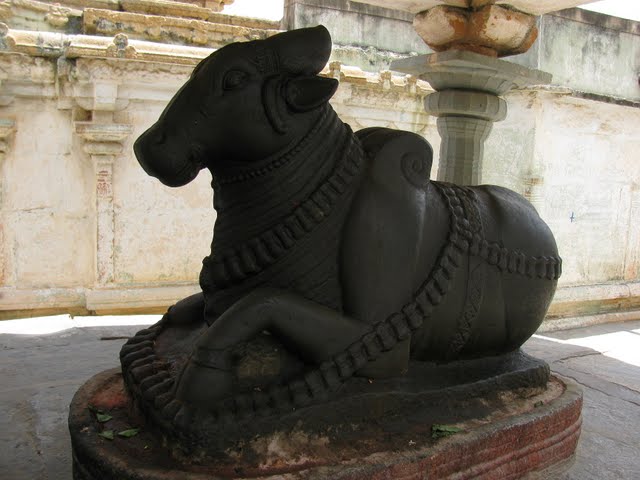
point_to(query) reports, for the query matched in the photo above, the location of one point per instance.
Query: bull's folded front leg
(308, 329)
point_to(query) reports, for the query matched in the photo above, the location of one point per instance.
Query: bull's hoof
(206, 378)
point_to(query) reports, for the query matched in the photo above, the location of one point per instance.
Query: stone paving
(41, 371)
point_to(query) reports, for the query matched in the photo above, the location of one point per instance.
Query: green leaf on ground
(93, 409)
(108, 434)
(103, 417)
(439, 431)
(132, 432)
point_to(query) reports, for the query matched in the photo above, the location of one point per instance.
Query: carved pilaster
(103, 143)
(7, 127)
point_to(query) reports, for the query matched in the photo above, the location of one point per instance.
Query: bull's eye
(234, 79)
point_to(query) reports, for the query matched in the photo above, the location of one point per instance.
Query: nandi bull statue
(336, 262)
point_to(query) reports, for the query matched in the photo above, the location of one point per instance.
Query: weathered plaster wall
(588, 52)
(583, 50)
(82, 228)
(576, 161)
(365, 36)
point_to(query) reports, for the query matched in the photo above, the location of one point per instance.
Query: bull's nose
(154, 136)
(157, 158)
(144, 147)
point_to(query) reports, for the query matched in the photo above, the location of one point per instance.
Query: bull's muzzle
(174, 167)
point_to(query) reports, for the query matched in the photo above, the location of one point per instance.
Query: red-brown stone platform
(522, 435)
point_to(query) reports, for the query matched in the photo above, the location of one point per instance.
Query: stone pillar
(103, 143)
(469, 78)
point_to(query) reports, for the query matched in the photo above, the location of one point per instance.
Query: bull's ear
(303, 94)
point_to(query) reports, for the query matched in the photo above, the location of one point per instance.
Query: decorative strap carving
(267, 248)
(270, 165)
(144, 373)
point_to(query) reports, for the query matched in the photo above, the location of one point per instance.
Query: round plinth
(520, 435)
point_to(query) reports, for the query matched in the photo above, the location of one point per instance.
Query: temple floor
(43, 361)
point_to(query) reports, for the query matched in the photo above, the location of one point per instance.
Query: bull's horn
(304, 52)
(306, 93)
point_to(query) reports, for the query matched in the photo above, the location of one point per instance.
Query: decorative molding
(170, 28)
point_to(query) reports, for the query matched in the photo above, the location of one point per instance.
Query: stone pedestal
(519, 434)
(467, 101)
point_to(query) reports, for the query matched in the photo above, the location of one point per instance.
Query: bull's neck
(250, 201)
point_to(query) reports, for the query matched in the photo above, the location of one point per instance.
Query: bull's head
(244, 102)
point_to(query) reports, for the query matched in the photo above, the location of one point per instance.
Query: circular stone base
(521, 435)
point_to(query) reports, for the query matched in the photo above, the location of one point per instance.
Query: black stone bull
(335, 243)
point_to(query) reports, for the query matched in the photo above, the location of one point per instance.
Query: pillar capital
(468, 70)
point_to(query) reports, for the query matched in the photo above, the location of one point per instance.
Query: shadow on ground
(40, 374)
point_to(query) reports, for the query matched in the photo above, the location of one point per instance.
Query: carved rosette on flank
(103, 143)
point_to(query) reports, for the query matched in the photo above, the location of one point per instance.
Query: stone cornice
(172, 29)
(103, 139)
(179, 21)
(153, 7)
(66, 47)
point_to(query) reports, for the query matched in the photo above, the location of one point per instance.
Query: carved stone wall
(83, 228)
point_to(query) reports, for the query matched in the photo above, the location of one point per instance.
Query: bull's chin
(183, 177)
(170, 177)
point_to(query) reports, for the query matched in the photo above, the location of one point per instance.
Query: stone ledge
(565, 323)
(576, 301)
(599, 20)
(152, 299)
(123, 299)
(572, 306)
(25, 299)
